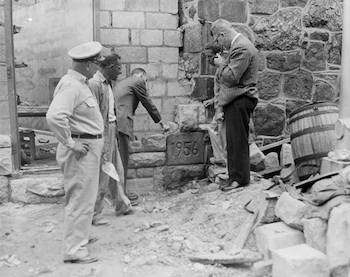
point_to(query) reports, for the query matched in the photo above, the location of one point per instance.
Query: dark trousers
(237, 116)
(123, 140)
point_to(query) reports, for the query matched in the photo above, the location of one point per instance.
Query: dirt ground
(156, 240)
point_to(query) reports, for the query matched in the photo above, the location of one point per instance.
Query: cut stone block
(6, 167)
(275, 236)
(315, 232)
(290, 210)
(149, 159)
(4, 190)
(189, 116)
(286, 156)
(299, 261)
(256, 158)
(271, 160)
(154, 143)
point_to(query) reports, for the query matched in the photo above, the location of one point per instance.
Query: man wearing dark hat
(76, 120)
(237, 75)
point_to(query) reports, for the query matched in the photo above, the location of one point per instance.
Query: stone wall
(299, 44)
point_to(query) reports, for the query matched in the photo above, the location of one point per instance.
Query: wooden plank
(309, 182)
(12, 85)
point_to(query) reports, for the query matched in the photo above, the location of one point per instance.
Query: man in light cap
(76, 120)
(237, 76)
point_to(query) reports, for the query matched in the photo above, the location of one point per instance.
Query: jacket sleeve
(237, 63)
(141, 93)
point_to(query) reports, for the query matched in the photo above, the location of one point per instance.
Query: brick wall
(146, 35)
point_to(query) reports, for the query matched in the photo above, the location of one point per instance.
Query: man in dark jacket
(128, 94)
(237, 75)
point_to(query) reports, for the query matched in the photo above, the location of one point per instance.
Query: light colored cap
(85, 50)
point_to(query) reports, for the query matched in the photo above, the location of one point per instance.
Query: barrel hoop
(292, 120)
(306, 158)
(318, 129)
(311, 107)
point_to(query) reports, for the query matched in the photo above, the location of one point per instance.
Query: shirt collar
(76, 75)
(99, 76)
(234, 39)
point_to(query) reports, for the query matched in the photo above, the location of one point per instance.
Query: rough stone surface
(315, 57)
(264, 6)
(269, 120)
(299, 260)
(271, 160)
(234, 11)
(286, 156)
(262, 268)
(292, 105)
(334, 49)
(141, 186)
(152, 143)
(280, 31)
(148, 159)
(324, 14)
(4, 190)
(323, 92)
(270, 237)
(256, 158)
(189, 116)
(338, 236)
(176, 176)
(6, 167)
(193, 38)
(319, 35)
(208, 9)
(144, 172)
(298, 85)
(290, 210)
(283, 61)
(292, 3)
(315, 232)
(269, 85)
(37, 189)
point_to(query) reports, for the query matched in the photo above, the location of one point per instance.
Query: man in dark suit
(237, 75)
(128, 94)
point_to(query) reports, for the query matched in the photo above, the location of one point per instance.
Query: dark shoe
(86, 260)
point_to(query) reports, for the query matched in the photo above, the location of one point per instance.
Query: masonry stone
(163, 54)
(105, 19)
(112, 4)
(190, 115)
(122, 19)
(280, 31)
(172, 38)
(271, 160)
(161, 21)
(338, 236)
(141, 186)
(292, 3)
(264, 6)
(178, 175)
(148, 159)
(315, 57)
(234, 11)
(315, 232)
(145, 172)
(170, 71)
(319, 35)
(153, 72)
(135, 37)
(262, 268)
(208, 9)
(286, 156)
(283, 61)
(152, 143)
(131, 173)
(256, 158)
(298, 85)
(269, 120)
(245, 31)
(114, 36)
(291, 211)
(274, 236)
(324, 14)
(151, 37)
(269, 85)
(5, 141)
(323, 92)
(169, 6)
(140, 5)
(193, 38)
(174, 88)
(6, 166)
(334, 48)
(4, 190)
(299, 261)
(157, 87)
(292, 105)
(133, 54)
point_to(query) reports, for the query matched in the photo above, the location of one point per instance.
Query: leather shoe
(85, 260)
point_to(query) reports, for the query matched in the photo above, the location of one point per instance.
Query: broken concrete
(299, 261)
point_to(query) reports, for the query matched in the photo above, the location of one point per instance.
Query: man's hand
(80, 149)
(208, 102)
(218, 60)
(164, 126)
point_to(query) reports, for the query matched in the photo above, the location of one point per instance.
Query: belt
(87, 136)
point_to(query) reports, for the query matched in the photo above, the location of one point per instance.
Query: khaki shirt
(74, 109)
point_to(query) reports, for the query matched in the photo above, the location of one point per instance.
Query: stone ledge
(154, 143)
(148, 159)
(177, 175)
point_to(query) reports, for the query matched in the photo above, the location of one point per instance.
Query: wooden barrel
(312, 136)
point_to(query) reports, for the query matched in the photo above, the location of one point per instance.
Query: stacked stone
(145, 35)
(300, 51)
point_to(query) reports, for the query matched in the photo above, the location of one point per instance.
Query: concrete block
(169, 6)
(299, 261)
(275, 236)
(152, 143)
(157, 88)
(170, 71)
(315, 232)
(173, 38)
(128, 19)
(149, 159)
(144, 172)
(161, 21)
(193, 38)
(338, 237)
(135, 37)
(105, 19)
(163, 54)
(114, 36)
(271, 160)
(133, 54)
(4, 189)
(112, 4)
(174, 88)
(140, 5)
(286, 156)
(329, 165)
(151, 37)
(290, 210)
